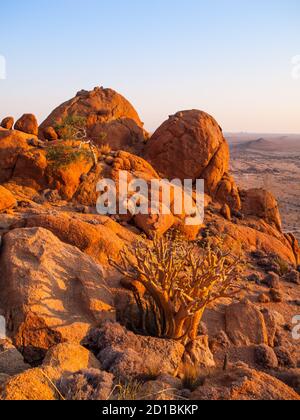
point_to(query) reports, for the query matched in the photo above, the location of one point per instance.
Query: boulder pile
(70, 316)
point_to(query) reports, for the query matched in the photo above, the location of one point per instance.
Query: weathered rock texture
(261, 204)
(245, 324)
(58, 288)
(139, 169)
(191, 145)
(27, 124)
(11, 360)
(12, 144)
(97, 236)
(51, 292)
(242, 383)
(40, 383)
(253, 234)
(127, 355)
(111, 119)
(7, 123)
(7, 200)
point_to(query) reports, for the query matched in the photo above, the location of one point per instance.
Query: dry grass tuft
(129, 391)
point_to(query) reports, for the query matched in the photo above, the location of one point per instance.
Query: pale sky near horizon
(231, 58)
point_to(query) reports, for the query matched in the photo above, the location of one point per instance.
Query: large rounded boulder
(27, 124)
(12, 145)
(7, 200)
(7, 123)
(109, 118)
(190, 145)
(52, 292)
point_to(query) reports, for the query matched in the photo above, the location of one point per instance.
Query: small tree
(74, 127)
(180, 280)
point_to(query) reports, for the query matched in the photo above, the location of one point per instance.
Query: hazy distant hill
(259, 145)
(281, 143)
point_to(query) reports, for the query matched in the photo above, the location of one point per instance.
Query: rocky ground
(71, 317)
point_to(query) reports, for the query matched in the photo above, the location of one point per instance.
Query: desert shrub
(210, 237)
(72, 127)
(86, 385)
(63, 155)
(180, 280)
(284, 267)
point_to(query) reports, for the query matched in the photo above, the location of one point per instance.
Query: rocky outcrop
(67, 163)
(58, 288)
(294, 245)
(245, 324)
(68, 358)
(167, 217)
(285, 358)
(191, 145)
(11, 360)
(137, 169)
(30, 169)
(228, 193)
(245, 384)
(12, 145)
(274, 321)
(187, 146)
(59, 166)
(7, 123)
(252, 234)
(261, 204)
(226, 212)
(265, 357)
(7, 200)
(198, 354)
(127, 355)
(154, 224)
(97, 236)
(31, 385)
(27, 124)
(50, 134)
(52, 292)
(133, 165)
(40, 383)
(110, 118)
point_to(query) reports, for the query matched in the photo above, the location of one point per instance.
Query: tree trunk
(195, 324)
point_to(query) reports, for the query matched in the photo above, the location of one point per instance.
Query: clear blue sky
(231, 58)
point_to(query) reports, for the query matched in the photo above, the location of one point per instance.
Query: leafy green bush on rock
(60, 156)
(72, 127)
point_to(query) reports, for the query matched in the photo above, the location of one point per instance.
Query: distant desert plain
(272, 162)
